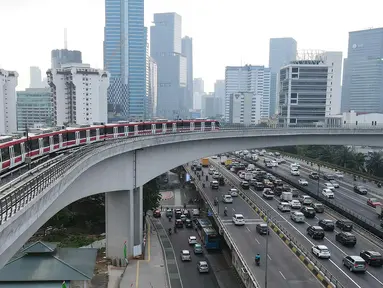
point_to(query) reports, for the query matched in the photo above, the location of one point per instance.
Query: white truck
(378, 210)
(286, 196)
(248, 176)
(223, 160)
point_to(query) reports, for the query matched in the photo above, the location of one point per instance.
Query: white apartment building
(8, 98)
(153, 81)
(355, 119)
(79, 94)
(254, 80)
(334, 60)
(244, 108)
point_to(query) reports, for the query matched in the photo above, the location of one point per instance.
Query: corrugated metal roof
(40, 247)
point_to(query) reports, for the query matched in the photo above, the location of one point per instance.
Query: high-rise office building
(64, 56)
(334, 59)
(362, 89)
(187, 51)
(305, 92)
(125, 59)
(244, 108)
(209, 105)
(153, 79)
(8, 83)
(248, 79)
(35, 78)
(34, 108)
(281, 52)
(219, 92)
(166, 50)
(198, 91)
(79, 94)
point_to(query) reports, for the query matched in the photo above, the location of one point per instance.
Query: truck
(248, 176)
(286, 196)
(378, 210)
(205, 162)
(228, 162)
(223, 160)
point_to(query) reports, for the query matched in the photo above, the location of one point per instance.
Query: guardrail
(359, 220)
(239, 263)
(318, 270)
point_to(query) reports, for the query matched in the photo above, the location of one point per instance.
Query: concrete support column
(119, 227)
(138, 216)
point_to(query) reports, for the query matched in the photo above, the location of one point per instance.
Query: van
(355, 263)
(305, 200)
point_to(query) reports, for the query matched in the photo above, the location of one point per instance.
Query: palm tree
(359, 162)
(374, 164)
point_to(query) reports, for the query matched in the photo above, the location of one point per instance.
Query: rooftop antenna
(65, 39)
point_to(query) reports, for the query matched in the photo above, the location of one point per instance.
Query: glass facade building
(125, 59)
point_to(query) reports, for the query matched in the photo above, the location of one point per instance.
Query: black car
(308, 212)
(318, 207)
(346, 238)
(178, 214)
(314, 175)
(316, 232)
(198, 167)
(360, 190)
(294, 192)
(327, 225)
(221, 181)
(188, 223)
(344, 225)
(262, 229)
(278, 182)
(328, 177)
(278, 191)
(372, 258)
(179, 223)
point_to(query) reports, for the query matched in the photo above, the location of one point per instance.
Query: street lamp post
(318, 180)
(267, 247)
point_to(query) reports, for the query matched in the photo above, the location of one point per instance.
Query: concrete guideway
(334, 265)
(284, 269)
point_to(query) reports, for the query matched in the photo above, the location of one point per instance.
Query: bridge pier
(124, 223)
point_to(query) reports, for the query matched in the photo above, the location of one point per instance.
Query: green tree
(374, 164)
(152, 196)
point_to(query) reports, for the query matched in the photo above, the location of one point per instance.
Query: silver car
(355, 263)
(185, 255)
(202, 267)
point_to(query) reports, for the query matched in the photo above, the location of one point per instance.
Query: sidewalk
(150, 272)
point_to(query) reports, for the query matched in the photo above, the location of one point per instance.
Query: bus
(210, 238)
(203, 223)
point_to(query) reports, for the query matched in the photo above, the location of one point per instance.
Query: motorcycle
(215, 202)
(257, 261)
(225, 212)
(170, 231)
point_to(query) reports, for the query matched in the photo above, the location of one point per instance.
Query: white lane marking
(247, 228)
(283, 276)
(308, 240)
(268, 256)
(257, 240)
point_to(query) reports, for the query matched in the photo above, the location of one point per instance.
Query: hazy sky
(225, 32)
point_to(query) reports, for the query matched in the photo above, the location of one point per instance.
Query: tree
(152, 196)
(374, 164)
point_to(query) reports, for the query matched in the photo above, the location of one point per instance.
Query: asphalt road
(374, 276)
(284, 268)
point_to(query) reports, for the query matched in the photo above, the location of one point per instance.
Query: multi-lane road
(374, 276)
(284, 268)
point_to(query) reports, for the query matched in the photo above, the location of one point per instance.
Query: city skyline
(222, 50)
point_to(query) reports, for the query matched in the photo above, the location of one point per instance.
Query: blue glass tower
(125, 59)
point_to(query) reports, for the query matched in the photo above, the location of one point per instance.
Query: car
(245, 185)
(373, 202)
(355, 263)
(344, 225)
(238, 220)
(284, 207)
(328, 193)
(339, 174)
(327, 224)
(295, 204)
(233, 192)
(334, 183)
(314, 175)
(305, 200)
(297, 217)
(346, 239)
(227, 198)
(211, 171)
(316, 232)
(321, 251)
(303, 182)
(188, 223)
(197, 249)
(262, 229)
(157, 213)
(202, 267)
(214, 184)
(372, 258)
(295, 165)
(295, 192)
(185, 255)
(328, 177)
(192, 240)
(268, 194)
(183, 217)
(309, 212)
(318, 207)
(295, 172)
(214, 157)
(329, 186)
(360, 190)
(259, 186)
(178, 214)
(179, 223)
(216, 175)
(169, 213)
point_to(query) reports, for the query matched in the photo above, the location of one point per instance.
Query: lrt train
(14, 151)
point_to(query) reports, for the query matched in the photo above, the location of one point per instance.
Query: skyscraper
(165, 49)
(281, 52)
(198, 91)
(35, 77)
(125, 59)
(187, 51)
(362, 89)
(64, 56)
(219, 92)
(8, 83)
(334, 59)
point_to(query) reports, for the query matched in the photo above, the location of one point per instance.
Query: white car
(329, 186)
(334, 183)
(328, 193)
(211, 171)
(321, 251)
(303, 182)
(295, 172)
(295, 204)
(284, 206)
(192, 240)
(238, 219)
(185, 255)
(216, 175)
(203, 267)
(233, 192)
(297, 217)
(227, 198)
(339, 174)
(214, 157)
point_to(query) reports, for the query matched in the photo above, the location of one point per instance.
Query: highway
(374, 276)
(344, 195)
(284, 268)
